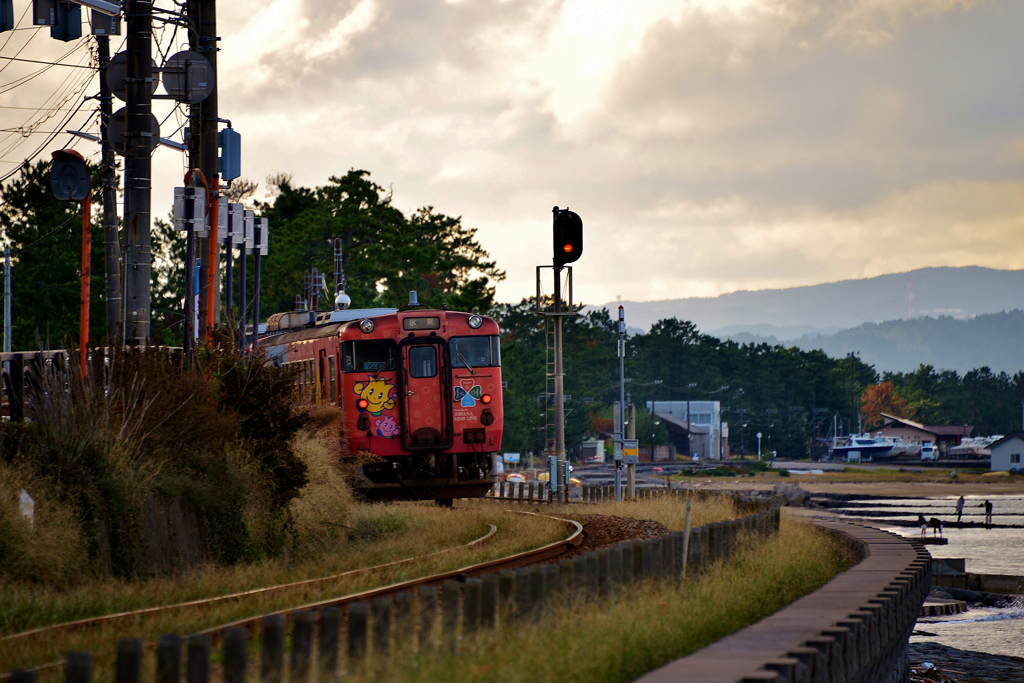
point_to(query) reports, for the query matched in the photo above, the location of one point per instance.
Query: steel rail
(89, 621)
(545, 552)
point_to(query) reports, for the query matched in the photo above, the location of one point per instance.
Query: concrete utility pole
(138, 169)
(621, 432)
(108, 175)
(559, 391)
(203, 154)
(7, 300)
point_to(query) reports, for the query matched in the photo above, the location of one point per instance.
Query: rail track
(511, 562)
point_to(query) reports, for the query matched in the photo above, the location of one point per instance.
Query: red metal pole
(212, 269)
(83, 332)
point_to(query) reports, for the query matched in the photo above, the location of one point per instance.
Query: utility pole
(559, 391)
(621, 432)
(203, 154)
(138, 169)
(7, 301)
(111, 239)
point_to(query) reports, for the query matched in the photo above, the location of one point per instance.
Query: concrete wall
(855, 629)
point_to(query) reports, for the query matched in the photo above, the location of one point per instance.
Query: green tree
(385, 254)
(45, 237)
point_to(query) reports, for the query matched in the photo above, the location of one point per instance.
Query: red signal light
(567, 248)
(363, 404)
(486, 398)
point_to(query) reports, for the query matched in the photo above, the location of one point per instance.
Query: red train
(420, 390)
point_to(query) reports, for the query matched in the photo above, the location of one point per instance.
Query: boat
(973, 447)
(863, 448)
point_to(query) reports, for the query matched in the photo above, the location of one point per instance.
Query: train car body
(420, 391)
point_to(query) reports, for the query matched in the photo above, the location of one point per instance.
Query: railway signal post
(567, 232)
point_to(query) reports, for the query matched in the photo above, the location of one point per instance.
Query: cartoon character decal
(467, 393)
(378, 394)
(386, 426)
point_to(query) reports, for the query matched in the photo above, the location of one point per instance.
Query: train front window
(369, 355)
(423, 361)
(474, 352)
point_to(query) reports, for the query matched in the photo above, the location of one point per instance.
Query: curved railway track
(511, 562)
(206, 602)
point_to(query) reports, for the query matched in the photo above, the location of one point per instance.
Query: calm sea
(988, 551)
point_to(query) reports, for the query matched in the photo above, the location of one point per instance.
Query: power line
(36, 61)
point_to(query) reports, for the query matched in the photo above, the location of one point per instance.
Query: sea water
(987, 551)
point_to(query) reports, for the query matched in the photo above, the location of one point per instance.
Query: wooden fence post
(357, 616)
(235, 646)
(198, 666)
(168, 659)
(129, 661)
(382, 628)
(327, 650)
(272, 650)
(450, 609)
(77, 668)
(428, 617)
(302, 646)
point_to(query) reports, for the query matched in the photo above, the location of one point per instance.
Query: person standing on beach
(923, 523)
(959, 509)
(988, 513)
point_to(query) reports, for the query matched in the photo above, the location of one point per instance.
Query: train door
(426, 407)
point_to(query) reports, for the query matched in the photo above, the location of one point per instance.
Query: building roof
(1011, 435)
(679, 421)
(937, 430)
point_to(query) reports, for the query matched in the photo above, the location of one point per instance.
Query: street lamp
(759, 446)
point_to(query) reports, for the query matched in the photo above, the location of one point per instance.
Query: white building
(694, 427)
(1008, 453)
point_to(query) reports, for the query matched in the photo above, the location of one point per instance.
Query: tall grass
(644, 628)
(670, 511)
(383, 533)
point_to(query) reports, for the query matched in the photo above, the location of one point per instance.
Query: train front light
(366, 326)
(475, 321)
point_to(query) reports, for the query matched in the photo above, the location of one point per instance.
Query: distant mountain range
(827, 308)
(957, 319)
(995, 340)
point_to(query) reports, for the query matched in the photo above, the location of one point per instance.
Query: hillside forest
(790, 393)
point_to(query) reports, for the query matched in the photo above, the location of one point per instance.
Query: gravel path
(600, 531)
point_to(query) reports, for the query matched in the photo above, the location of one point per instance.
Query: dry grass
(645, 627)
(382, 533)
(671, 512)
(50, 547)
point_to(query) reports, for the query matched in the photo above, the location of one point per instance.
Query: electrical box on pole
(68, 26)
(230, 143)
(568, 237)
(104, 24)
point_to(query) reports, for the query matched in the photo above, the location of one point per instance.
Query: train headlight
(487, 418)
(366, 326)
(363, 404)
(475, 321)
(486, 398)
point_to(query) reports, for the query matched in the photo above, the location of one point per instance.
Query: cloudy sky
(709, 145)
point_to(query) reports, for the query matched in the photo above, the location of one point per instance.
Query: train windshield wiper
(384, 367)
(465, 362)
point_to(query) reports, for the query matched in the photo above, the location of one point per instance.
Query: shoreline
(888, 489)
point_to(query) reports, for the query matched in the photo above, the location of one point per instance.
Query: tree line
(792, 396)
